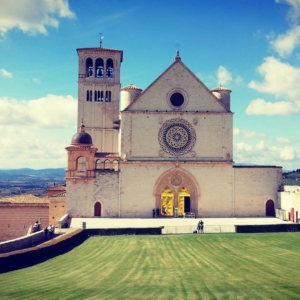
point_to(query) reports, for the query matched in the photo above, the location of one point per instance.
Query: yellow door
(183, 193)
(167, 201)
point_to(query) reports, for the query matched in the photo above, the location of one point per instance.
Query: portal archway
(270, 208)
(97, 209)
(180, 186)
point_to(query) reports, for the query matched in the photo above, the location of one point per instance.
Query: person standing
(153, 213)
(165, 211)
(46, 230)
(201, 226)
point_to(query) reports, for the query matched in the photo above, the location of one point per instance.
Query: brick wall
(16, 219)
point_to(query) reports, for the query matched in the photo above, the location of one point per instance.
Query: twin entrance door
(168, 202)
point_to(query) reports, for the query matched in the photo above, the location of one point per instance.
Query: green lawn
(208, 266)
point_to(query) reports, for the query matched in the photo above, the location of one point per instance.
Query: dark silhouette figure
(153, 213)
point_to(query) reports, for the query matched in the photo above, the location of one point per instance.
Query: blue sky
(251, 47)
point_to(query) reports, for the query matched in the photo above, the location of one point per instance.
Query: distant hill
(50, 173)
(291, 178)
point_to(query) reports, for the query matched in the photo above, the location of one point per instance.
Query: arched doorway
(180, 190)
(270, 208)
(167, 202)
(97, 209)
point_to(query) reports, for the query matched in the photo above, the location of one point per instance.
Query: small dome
(82, 138)
(131, 87)
(220, 88)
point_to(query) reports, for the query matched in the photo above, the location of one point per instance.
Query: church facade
(167, 150)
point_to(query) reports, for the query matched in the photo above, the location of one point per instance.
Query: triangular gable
(177, 76)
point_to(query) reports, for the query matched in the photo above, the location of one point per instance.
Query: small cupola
(223, 94)
(82, 138)
(128, 94)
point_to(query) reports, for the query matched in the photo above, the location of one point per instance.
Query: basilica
(165, 151)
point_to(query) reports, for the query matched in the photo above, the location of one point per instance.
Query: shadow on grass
(31, 256)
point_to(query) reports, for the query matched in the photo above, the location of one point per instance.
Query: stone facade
(174, 150)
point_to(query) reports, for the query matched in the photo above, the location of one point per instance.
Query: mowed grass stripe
(209, 266)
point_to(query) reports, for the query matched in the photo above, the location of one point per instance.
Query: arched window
(107, 164)
(108, 96)
(99, 164)
(89, 67)
(109, 68)
(98, 96)
(97, 209)
(81, 164)
(99, 68)
(116, 165)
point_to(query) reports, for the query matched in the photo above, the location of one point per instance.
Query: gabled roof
(58, 188)
(177, 61)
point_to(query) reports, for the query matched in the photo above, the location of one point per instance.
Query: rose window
(177, 137)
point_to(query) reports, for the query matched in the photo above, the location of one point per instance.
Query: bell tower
(98, 95)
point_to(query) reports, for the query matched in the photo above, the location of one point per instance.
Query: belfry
(166, 150)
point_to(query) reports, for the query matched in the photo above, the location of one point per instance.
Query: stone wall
(211, 182)
(82, 194)
(289, 199)
(57, 209)
(22, 242)
(253, 187)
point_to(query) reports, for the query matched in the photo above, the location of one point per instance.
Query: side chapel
(169, 147)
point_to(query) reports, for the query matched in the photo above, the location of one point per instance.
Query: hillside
(49, 173)
(290, 178)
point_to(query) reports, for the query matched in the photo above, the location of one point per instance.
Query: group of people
(49, 232)
(200, 227)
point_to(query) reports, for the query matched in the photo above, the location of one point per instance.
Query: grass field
(212, 266)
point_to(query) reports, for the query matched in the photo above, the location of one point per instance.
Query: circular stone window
(177, 99)
(177, 137)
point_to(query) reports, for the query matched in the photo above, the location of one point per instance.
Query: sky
(251, 47)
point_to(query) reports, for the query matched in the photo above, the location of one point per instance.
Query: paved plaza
(172, 225)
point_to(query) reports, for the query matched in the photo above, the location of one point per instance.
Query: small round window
(177, 99)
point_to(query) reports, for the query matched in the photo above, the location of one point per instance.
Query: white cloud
(280, 79)
(243, 147)
(49, 111)
(261, 146)
(282, 140)
(243, 133)
(5, 73)
(32, 16)
(287, 153)
(294, 12)
(261, 107)
(21, 147)
(36, 132)
(224, 76)
(262, 154)
(35, 80)
(285, 43)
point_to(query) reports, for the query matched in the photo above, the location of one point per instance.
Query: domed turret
(82, 138)
(223, 94)
(128, 94)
